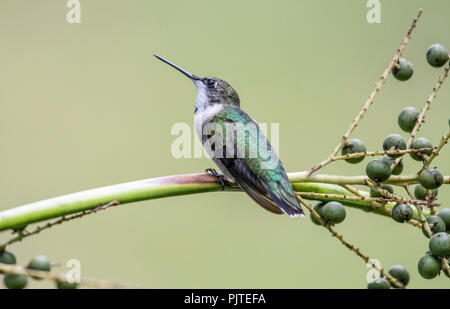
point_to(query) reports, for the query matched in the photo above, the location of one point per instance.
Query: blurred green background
(86, 105)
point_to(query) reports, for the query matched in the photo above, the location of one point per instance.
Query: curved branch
(19, 217)
(51, 275)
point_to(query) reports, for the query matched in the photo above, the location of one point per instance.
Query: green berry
(421, 193)
(378, 170)
(419, 143)
(7, 257)
(333, 212)
(66, 285)
(404, 71)
(394, 142)
(440, 244)
(429, 266)
(431, 178)
(407, 118)
(15, 281)
(444, 214)
(39, 262)
(402, 213)
(400, 273)
(436, 224)
(398, 169)
(374, 193)
(437, 55)
(378, 284)
(353, 145)
(318, 208)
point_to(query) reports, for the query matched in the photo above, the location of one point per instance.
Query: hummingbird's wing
(263, 178)
(252, 190)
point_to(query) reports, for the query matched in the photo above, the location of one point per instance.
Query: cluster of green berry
(380, 170)
(439, 245)
(430, 179)
(399, 272)
(19, 281)
(429, 265)
(437, 56)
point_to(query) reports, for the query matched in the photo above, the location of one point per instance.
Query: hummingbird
(218, 105)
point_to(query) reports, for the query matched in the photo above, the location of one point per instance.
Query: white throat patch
(201, 101)
(204, 115)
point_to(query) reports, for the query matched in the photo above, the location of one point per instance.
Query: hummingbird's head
(210, 90)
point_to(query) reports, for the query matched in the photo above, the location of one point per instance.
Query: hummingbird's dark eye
(210, 82)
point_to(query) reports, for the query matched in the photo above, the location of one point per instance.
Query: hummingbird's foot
(218, 175)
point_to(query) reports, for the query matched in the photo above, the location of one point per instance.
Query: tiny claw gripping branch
(219, 176)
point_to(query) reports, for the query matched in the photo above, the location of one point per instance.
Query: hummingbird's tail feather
(281, 200)
(285, 198)
(275, 196)
(260, 198)
(292, 210)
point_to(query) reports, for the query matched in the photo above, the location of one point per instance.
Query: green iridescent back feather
(274, 179)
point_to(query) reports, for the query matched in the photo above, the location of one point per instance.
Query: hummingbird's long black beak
(187, 73)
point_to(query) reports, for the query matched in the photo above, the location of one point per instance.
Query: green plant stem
(362, 204)
(19, 217)
(354, 180)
